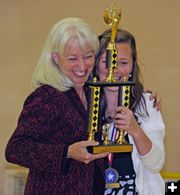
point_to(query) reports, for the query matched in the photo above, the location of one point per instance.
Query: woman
(137, 173)
(50, 135)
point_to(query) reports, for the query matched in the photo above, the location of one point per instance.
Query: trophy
(120, 145)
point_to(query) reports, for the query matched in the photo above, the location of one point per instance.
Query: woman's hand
(154, 96)
(78, 151)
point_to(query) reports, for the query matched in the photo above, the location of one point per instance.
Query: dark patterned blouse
(49, 122)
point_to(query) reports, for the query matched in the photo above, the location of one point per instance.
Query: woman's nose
(82, 65)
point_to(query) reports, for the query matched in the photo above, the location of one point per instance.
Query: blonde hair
(47, 71)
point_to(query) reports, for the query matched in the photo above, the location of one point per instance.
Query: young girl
(138, 173)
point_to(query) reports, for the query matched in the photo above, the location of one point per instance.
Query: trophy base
(112, 185)
(116, 148)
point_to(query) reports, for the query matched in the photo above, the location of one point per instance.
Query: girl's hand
(124, 119)
(154, 96)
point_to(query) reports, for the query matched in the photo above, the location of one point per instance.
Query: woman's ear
(55, 57)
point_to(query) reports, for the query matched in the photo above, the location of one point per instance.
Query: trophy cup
(95, 86)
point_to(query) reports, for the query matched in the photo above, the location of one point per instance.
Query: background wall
(24, 26)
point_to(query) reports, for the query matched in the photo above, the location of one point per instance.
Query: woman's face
(75, 63)
(124, 63)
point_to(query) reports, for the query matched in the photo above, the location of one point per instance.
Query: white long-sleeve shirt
(147, 167)
(148, 180)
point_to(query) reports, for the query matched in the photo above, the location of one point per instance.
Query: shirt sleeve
(30, 144)
(154, 128)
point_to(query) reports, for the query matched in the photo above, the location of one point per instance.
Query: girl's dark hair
(122, 36)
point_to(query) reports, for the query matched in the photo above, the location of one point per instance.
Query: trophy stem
(121, 139)
(110, 76)
(91, 136)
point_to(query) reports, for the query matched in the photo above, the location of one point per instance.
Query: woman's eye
(89, 56)
(71, 59)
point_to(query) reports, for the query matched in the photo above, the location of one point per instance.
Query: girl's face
(124, 63)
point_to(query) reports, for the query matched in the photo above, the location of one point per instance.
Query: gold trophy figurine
(112, 19)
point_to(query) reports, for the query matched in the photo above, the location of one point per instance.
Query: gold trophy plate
(112, 148)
